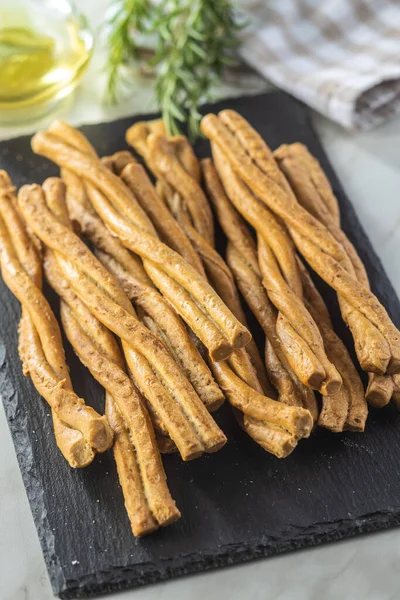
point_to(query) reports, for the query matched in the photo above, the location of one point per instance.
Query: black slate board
(238, 504)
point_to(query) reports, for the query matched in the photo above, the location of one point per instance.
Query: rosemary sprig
(127, 18)
(195, 40)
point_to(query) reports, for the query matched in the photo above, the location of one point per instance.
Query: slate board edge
(125, 576)
(229, 557)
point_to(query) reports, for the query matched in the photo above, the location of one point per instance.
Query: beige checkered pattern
(342, 57)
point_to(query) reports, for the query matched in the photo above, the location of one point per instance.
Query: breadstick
(156, 507)
(257, 406)
(187, 420)
(145, 192)
(299, 335)
(138, 181)
(96, 330)
(68, 406)
(160, 399)
(71, 442)
(314, 193)
(180, 158)
(242, 259)
(236, 375)
(129, 272)
(169, 231)
(252, 160)
(138, 136)
(54, 192)
(170, 168)
(272, 438)
(147, 498)
(84, 316)
(347, 409)
(61, 287)
(222, 280)
(125, 218)
(42, 353)
(219, 271)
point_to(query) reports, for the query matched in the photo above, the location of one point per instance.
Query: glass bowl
(45, 47)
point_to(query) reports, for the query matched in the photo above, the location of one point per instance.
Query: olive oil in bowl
(45, 47)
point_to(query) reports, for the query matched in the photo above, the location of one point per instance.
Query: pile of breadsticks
(154, 311)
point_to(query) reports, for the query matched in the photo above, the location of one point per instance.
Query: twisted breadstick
(169, 231)
(142, 371)
(62, 288)
(265, 419)
(147, 498)
(212, 261)
(313, 191)
(378, 341)
(174, 161)
(54, 191)
(347, 409)
(297, 331)
(188, 292)
(159, 378)
(242, 259)
(129, 272)
(164, 155)
(78, 428)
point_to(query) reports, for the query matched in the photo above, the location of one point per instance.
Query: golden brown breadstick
(222, 280)
(151, 497)
(257, 406)
(272, 438)
(145, 193)
(72, 444)
(125, 218)
(187, 420)
(299, 336)
(217, 271)
(140, 185)
(147, 498)
(69, 407)
(347, 409)
(137, 136)
(169, 231)
(142, 137)
(314, 192)
(242, 259)
(103, 337)
(252, 160)
(153, 388)
(42, 354)
(129, 272)
(170, 168)
(140, 517)
(236, 375)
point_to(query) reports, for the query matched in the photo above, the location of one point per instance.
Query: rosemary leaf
(194, 40)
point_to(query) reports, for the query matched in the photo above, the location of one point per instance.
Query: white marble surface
(365, 568)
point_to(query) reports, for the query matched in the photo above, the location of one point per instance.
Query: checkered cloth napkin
(342, 57)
